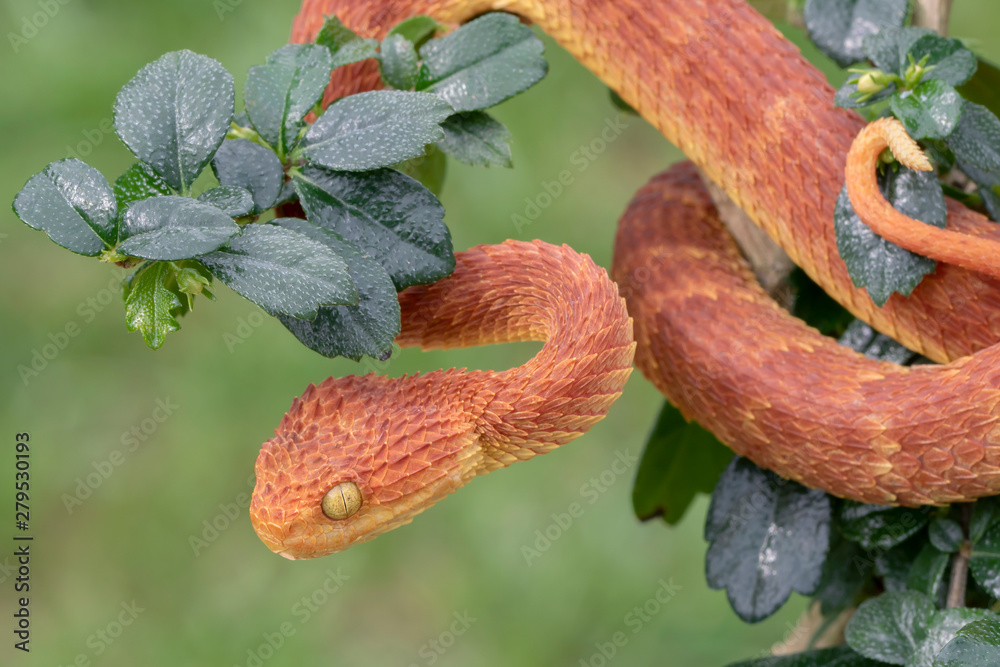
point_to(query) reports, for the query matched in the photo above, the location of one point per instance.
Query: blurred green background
(131, 539)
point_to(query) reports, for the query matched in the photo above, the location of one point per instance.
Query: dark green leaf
(845, 572)
(247, 165)
(927, 571)
(345, 46)
(232, 200)
(172, 227)
(894, 566)
(985, 512)
(874, 263)
(620, 103)
(838, 656)
(174, 114)
(984, 86)
(985, 561)
(390, 216)
(398, 62)
(768, 536)
(417, 29)
(929, 111)
(860, 337)
(888, 48)
(838, 27)
(349, 331)
(281, 92)
(429, 168)
(476, 138)
(976, 645)
(942, 629)
(891, 626)
(484, 62)
(71, 202)
(874, 526)
(847, 96)
(951, 61)
(148, 304)
(817, 308)
(283, 271)
(946, 534)
(976, 143)
(375, 129)
(681, 459)
(139, 182)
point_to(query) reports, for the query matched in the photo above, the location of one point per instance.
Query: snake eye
(342, 501)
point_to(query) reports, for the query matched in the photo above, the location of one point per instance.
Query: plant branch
(960, 562)
(932, 14)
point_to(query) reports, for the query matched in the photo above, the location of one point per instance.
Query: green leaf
(845, 572)
(984, 563)
(951, 61)
(888, 48)
(942, 629)
(946, 534)
(891, 626)
(476, 138)
(281, 92)
(345, 46)
(619, 103)
(175, 113)
(976, 144)
(71, 202)
(375, 129)
(926, 572)
(250, 166)
(895, 566)
(283, 271)
(429, 168)
(874, 263)
(390, 216)
(847, 95)
(838, 656)
(879, 526)
(862, 338)
(484, 62)
(977, 644)
(984, 86)
(172, 227)
(838, 27)
(681, 459)
(768, 536)
(815, 307)
(349, 331)
(148, 304)
(398, 62)
(985, 513)
(417, 29)
(929, 111)
(234, 201)
(139, 182)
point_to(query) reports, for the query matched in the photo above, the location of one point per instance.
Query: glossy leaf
(281, 92)
(175, 113)
(375, 129)
(929, 111)
(838, 27)
(985, 561)
(952, 62)
(976, 143)
(888, 48)
(926, 573)
(250, 166)
(149, 304)
(172, 227)
(946, 534)
(895, 566)
(283, 271)
(891, 626)
(417, 29)
(879, 526)
(71, 202)
(943, 627)
(860, 337)
(139, 182)
(398, 62)
(344, 45)
(476, 138)
(233, 201)
(390, 216)
(985, 513)
(349, 331)
(484, 62)
(978, 643)
(874, 263)
(681, 460)
(768, 536)
(984, 86)
(846, 570)
(838, 656)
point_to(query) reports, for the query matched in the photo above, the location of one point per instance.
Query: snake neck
(519, 291)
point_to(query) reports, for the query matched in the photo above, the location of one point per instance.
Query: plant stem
(960, 562)
(932, 14)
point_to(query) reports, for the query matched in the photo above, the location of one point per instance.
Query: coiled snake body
(357, 456)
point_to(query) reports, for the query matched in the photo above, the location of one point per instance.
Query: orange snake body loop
(722, 84)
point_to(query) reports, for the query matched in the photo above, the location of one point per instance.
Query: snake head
(357, 456)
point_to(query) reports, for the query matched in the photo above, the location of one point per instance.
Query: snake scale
(357, 456)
